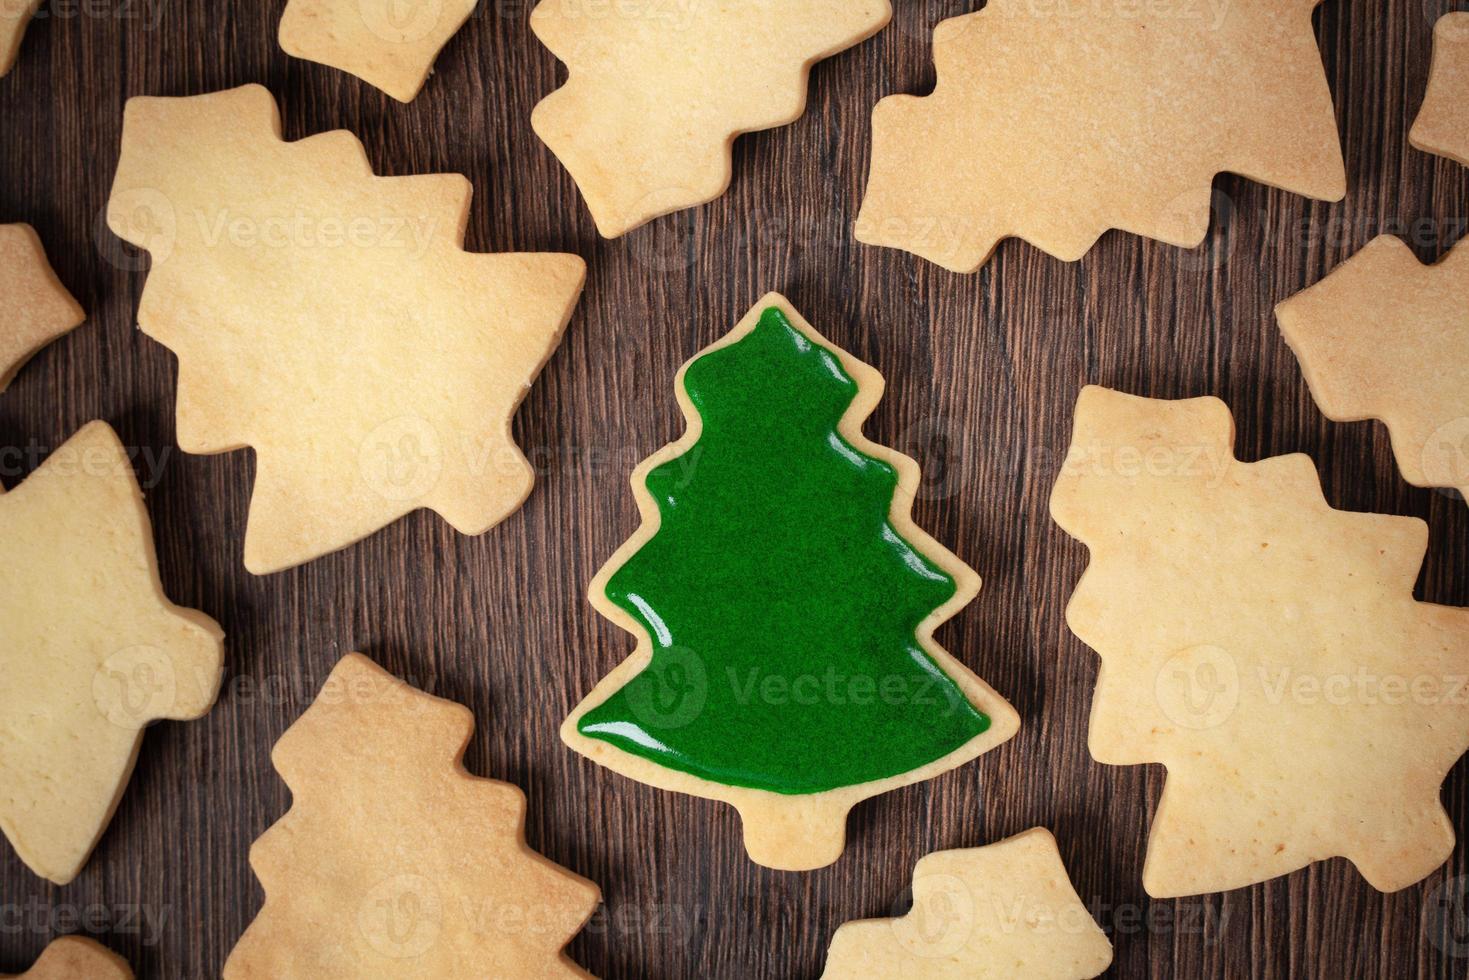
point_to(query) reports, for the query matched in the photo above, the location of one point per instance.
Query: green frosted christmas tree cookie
(784, 603)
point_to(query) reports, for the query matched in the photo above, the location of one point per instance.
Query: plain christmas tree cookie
(657, 93)
(93, 650)
(784, 604)
(1442, 125)
(331, 319)
(390, 44)
(393, 861)
(1263, 647)
(77, 958)
(1056, 122)
(1386, 337)
(1002, 912)
(38, 309)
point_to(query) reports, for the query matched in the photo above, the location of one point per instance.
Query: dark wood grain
(982, 375)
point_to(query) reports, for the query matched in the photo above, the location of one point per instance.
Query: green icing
(782, 604)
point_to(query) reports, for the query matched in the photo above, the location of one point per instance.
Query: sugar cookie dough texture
(657, 92)
(1055, 122)
(77, 958)
(331, 319)
(390, 44)
(1386, 337)
(1442, 125)
(37, 309)
(93, 650)
(1263, 647)
(395, 862)
(1000, 912)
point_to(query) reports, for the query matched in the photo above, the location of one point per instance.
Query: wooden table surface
(982, 372)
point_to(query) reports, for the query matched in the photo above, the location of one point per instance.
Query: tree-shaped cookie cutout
(331, 319)
(390, 44)
(37, 309)
(15, 16)
(1386, 337)
(986, 913)
(1055, 123)
(77, 958)
(1262, 646)
(393, 861)
(656, 95)
(784, 604)
(1442, 125)
(93, 650)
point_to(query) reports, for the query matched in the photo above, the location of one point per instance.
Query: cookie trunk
(795, 833)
